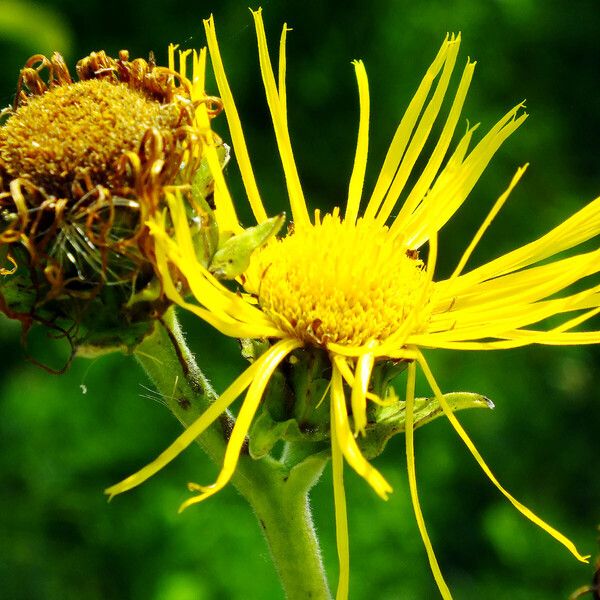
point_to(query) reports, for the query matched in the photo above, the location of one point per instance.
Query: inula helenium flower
(83, 166)
(356, 288)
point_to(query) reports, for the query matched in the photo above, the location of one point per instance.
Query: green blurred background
(63, 439)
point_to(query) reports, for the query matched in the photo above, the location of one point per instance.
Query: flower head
(83, 166)
(358, 284)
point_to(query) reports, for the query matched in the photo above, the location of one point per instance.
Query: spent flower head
(355, 288)
(83, 165)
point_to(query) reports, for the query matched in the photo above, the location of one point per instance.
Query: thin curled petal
(467, 440)
(357, 178)
(341, 517)
(347, 442)
(208, 417)
(412, 482)
(267, 363)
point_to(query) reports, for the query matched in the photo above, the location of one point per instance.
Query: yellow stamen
(338, 282)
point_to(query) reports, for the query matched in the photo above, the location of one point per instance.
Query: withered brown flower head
(82, 166)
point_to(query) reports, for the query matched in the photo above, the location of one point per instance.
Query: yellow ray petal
(465, 438)
(420, 189)
(516, 310)
(198, 73)
(580, 227)
(357, 179)
(281, 73)
(487, 222)
(404, 131)
(420, 136)
(358, 398)
(453, 186)
(267, 363)
(225, 209)
(297, 202)
(350, 379)
(206, 419)
(234, 122)
(205, 287)
(412, 481)
(217, 318)
(531, 284)
(341, 518)
(347, 442)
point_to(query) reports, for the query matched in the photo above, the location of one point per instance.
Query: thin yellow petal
(234, 122)
(580, 227)
(412, 482)
(465, 438)
(404, 131)
(420, 136)
(297, 202)
(198, 73)
(213, 295)
(281, 73)
(487, 222)
(453, 186)
(357, 179)
(347, 442)
(205, 420)
(171, 52)
(420, 189)
(265, 366)
(358, 398)
(341, 517)
(223, 322)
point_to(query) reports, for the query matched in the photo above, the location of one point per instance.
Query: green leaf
(391, 420)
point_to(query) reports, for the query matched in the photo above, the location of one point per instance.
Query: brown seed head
(78, 129)
(82, 167)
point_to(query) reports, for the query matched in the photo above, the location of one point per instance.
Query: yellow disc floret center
(348, 283)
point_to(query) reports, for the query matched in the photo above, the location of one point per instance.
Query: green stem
(276, 490)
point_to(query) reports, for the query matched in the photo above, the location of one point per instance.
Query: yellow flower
(352, 282)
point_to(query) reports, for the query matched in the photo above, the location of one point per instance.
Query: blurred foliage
(64, 439)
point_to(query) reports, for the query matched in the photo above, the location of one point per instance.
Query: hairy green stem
(277, 490)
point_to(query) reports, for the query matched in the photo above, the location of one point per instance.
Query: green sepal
(384, 373)
(251, 348)
(225, 255)
(391, 420)
(292, 409)
(205, 233)
(232, 257)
